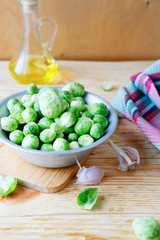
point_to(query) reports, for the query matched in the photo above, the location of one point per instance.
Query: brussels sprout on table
(16, 136)
(9, 124)
(75, 88)
(146, 228)
(47, 135)
(30, 141)
(31, 128)
(61, 144)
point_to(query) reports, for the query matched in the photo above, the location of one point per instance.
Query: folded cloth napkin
(140, 102)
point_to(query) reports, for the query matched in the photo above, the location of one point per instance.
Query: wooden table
(123, 196)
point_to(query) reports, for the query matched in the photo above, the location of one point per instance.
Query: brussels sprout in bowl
(56, 159)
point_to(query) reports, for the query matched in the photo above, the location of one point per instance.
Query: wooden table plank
(99, 227)
(123, 196)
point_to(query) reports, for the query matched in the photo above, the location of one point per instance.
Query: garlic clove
(134, 159)
(89, 176)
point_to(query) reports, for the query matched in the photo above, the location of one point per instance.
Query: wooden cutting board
(41, 179)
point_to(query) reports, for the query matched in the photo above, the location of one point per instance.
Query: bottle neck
(30, 20)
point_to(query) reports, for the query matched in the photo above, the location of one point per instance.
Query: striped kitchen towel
(140, 102)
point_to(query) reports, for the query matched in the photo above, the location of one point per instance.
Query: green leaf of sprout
(7, 185)
(107, 88)
(87, 198)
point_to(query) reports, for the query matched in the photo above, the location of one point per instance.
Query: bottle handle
(52, 33)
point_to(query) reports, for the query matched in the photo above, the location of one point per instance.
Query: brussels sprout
(9, 124)
(79, 99)
(12, 102)
(57, 120)
(146, 228)
(78, 104)
(85, 140)
(37, 109)
(66, 96)
(68, 119)
(65, 104)
(72, 137)
(100, 119)
(32, 89)
(75, 110)
(57, 128)
(68, 130)
(98, 108)
(51, 103)
(31, 128)
(61, 144)
(59, 135)
(16, 112)
(47, 147)
(87, 114)
(47, 135)
(26, 100)
(97, 131)
(83, 126)
(44, 123)
(86, 107)
(44, 89)
(74, 145)
(29, 115)
(16, 136)
(35, 98)
(30, 141)
(75, 88)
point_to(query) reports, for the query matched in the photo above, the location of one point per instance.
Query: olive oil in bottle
(33, 70)
(33, 62)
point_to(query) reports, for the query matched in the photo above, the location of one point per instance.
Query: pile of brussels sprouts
(52, 120)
